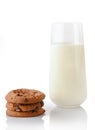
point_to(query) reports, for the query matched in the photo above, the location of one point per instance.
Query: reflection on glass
(35, 123)
(68, 119)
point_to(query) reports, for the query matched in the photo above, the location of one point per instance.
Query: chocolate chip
(19, 94)
(42, 103)
(36, 109)
(33, 111)
(26, 100)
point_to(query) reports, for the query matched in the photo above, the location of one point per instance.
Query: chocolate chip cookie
(23, 107)
(25, 114)
(25, 96)
(24, 103)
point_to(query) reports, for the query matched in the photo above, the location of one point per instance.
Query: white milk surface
(67, 75)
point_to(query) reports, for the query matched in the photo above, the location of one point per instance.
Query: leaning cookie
(25, 96)
(24, 107)
(25, 114)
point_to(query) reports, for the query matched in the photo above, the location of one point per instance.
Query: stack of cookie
(24, 103)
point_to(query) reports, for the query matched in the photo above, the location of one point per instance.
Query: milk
(67, 75)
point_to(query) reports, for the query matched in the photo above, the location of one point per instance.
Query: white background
(25, 27)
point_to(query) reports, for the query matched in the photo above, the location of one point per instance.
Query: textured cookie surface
(25, 114)
(24, 107)
(25, 96)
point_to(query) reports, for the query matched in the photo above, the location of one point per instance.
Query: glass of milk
(67, 65)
